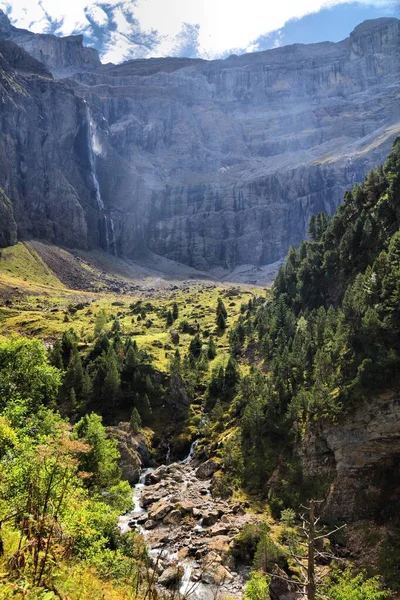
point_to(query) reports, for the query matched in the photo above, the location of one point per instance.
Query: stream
(187, 530)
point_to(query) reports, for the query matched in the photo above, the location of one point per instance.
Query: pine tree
(112, 381)
(175, 311)
(211, 348)
(222, 315)
(231, 373)
(135, 421)
(170, 319)
(56, 356)
(100, 322)
(195, 346)
(74, 375)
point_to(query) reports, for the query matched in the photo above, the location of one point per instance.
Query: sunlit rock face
(213, 163)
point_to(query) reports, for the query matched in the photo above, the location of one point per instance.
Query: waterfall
(94, 149)
(113, 241)
(192, 450)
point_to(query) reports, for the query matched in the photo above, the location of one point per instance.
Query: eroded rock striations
(209, 163)
(360, 459)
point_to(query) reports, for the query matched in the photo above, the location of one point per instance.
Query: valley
(200, 322)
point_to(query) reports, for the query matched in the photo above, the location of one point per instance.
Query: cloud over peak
(123, 29)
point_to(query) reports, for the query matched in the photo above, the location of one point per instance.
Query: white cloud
(223, 25)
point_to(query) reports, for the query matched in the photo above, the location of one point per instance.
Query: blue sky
(123, 29)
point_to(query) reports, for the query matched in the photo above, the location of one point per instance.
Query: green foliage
(196, 346)
(267, 552)
(135, 421)
(349, 586)
(25, 373)
(257, 588)
(101, 460)
(222, 315)
(211, 348)
(100, 323)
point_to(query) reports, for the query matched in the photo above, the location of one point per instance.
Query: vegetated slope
(213, 164)
(327, 342)
(326, 381)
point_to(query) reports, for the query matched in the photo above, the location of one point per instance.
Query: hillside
(281, 395)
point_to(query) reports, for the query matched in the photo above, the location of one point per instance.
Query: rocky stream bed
(190, 534)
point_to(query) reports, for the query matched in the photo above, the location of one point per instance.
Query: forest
(307, 352)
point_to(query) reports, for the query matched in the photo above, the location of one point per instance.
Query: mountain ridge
(208, 163)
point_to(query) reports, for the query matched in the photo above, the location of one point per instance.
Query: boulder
(280, 589)
(160, 510)
(207, 469)
(210, 518)
(216, 574)
(173, 518)
(171, 576)
(150, 524)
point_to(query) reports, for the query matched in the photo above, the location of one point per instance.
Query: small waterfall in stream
(107, 227)
(189, 589)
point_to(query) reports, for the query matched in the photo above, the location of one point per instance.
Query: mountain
(208, 163)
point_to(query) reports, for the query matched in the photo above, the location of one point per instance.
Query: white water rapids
(189, 590)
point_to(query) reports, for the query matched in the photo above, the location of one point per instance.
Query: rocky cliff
(360, 458)
(209, 163)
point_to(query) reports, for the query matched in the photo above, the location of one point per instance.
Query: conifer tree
(222, 315)
(135, 421)
(211, 348)
(112, 381)
(195, 346)
(175, 311)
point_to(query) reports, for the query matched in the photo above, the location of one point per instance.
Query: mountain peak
(5, 25)
(372, 24)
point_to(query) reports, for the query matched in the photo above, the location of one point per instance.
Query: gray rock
(250, 146)
(207, 469)
(171, 576)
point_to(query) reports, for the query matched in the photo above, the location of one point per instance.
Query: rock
(210, 518)
(187, 507)
(160, 509)
(151, 479)
(280, 589)
(207, 469)
(149, 496)
(133, 451)
(220, 545)
(142, 519)
(171, 576)
(357, 457)
(215, 574)
(173, 518)
(175, 337)
(218, 530)
(150, 524)
(270, 126)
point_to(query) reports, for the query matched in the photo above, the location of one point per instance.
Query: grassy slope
(35, 302)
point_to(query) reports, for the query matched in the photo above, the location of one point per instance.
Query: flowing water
(94, 149)
(189, 590)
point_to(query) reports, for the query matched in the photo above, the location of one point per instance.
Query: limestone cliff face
(216, 163)
(60, 55)
(360, 456)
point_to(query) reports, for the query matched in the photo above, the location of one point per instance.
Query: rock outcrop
(133, 450)
(61, 55)
(361, 458)
(209, 163)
